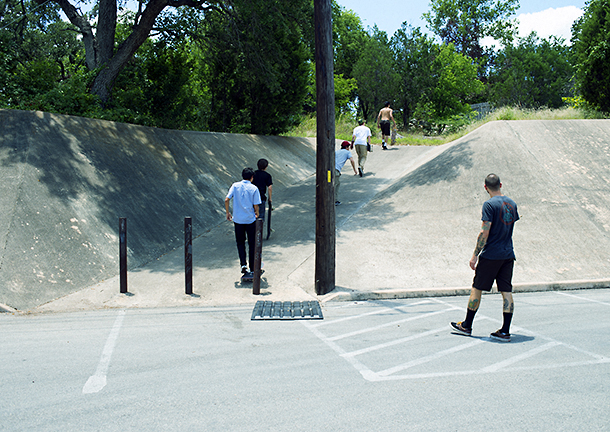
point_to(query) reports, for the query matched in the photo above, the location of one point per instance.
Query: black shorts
(385, 127)
(489, 271)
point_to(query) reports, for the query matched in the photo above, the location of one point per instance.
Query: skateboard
(394, 133)
(269, 220)
(249, 277)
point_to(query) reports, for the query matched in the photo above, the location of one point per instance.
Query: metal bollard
(258, 251)
(123, 254)
(188, 255)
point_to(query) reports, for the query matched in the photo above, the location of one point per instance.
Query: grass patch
(345, 125)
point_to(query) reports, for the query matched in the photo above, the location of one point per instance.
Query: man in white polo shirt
(246, 199)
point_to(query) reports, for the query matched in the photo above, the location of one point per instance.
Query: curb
(4, 308)
(460, 291)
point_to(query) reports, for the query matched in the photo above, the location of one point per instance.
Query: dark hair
(361, 121)
(492, 182)
(262, 164)
(247, 173)
(387, 104)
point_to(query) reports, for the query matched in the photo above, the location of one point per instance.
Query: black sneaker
(244, 269)
(337, 203)
(459, 328)
(360, 171)
(500, 336)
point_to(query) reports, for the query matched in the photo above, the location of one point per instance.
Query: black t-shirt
(262, 180)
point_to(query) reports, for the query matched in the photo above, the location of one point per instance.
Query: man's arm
(256, 210)
(229, 217)
(481, 241)
(270, 188)
(353, 165)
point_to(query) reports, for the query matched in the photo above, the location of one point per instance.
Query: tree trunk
(85, 30)
(106, 29)
(103, 82)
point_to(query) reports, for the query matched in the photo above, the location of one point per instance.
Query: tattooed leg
(508, 304)
(475, 299)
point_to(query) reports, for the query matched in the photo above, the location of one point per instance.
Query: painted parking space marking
(368, 314)
(390, 324)
(429, 358)
(582, 298)
(497, 366)
(375, 368)
(97, 381)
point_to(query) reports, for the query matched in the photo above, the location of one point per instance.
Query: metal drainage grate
(268, 310)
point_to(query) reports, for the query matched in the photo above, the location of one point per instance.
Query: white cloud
(556, 22)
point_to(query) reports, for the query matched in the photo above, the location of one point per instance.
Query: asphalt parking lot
(367, 366)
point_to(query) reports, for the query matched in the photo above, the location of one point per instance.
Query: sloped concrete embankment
(66, 181)
(419, 233)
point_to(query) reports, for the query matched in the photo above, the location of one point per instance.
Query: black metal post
(258, 251)
(123, 254)
(188, 255)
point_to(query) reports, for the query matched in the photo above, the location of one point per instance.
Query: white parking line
(376, 312)
(497, 366)
(391, 373)
(429, 358)
(581, 298)
(97, 381)
(390, 324)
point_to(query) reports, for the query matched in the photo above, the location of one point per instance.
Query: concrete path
(408, 227)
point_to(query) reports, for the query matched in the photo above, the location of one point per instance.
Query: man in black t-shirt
(493, 258)
(263, 181)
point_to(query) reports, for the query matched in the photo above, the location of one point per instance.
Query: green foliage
(257, 65)
(414, 54)
(532, 74)
(37, 52)
(375, 74)
(591, 47)
(344, 91)
(158, 87)
(465, 22)
(456, 82)
(247, 66)
(349, 37)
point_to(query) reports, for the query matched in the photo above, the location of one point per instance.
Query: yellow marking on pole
(329, 176)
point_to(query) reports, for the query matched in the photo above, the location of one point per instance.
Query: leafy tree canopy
(465, 22)
(532, 74)
(591, 46)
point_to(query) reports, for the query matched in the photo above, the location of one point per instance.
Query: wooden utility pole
(325, 146)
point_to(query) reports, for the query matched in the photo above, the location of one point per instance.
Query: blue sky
(546, 17)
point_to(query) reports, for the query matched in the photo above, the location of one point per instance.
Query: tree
(101, 54)
(374, 72)
(532, 74)
(456, 83)
(258, 68)
(465, 22)
(349, 38)
(38, 51)
(591, 47)
(414, 54)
